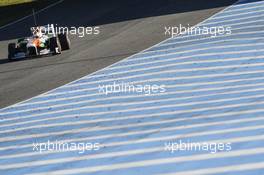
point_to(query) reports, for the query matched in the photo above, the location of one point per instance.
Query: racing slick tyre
(54, 45)
(11, 50)
(64, 41)
(32, 51)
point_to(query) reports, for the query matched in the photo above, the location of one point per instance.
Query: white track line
(61, 99)
(182, 63)
(200, 44)
(206, 37)
(250, 8)
(65, 110)
(120, 104)
(238, 7)
(148, 81)
(237, 15)
(233, 20)
(149, 131)
(136, 102)
(85, 129)
(151, 59)
(156, 139)
(127, 125)
(118, 154)
(218, 68)
(224, 169)
(152, 162)
(176, 41)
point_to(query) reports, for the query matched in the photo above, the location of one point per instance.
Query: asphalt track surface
(126, 27)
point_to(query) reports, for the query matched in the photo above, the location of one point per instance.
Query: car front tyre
(11, 50)
(64, 41)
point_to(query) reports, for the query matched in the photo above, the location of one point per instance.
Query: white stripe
(176, 58)
(151, 59)
(183, 63)
(161, 53)
(152, 80)
(221, 40)
(107, 136)
(251, 39)
(118, 154)
(108, 119)
(85, 129)
(160, 100)
(207, 37)
(110, 80)
(122, 104)
(176, 49)
(247, 25)
(238, 7)
(146, 140)
(225, 169)
(131, 96)
(238, 10)
(218, 68)
(239, 14)
(153, 162)
(140, 102)
(230, 20)
(175, 137)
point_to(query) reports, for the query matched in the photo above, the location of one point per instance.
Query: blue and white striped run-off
(214, 94)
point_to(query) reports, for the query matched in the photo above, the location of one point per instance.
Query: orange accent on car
(36, 42)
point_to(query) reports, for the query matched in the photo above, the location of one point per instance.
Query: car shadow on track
(6, 61)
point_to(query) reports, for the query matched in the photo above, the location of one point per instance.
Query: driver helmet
(38, 33)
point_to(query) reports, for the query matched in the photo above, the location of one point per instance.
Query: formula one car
(44, 41)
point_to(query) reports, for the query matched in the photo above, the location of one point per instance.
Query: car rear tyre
(64, 41)
(11, 50)
(32, 51)
(54, 45)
